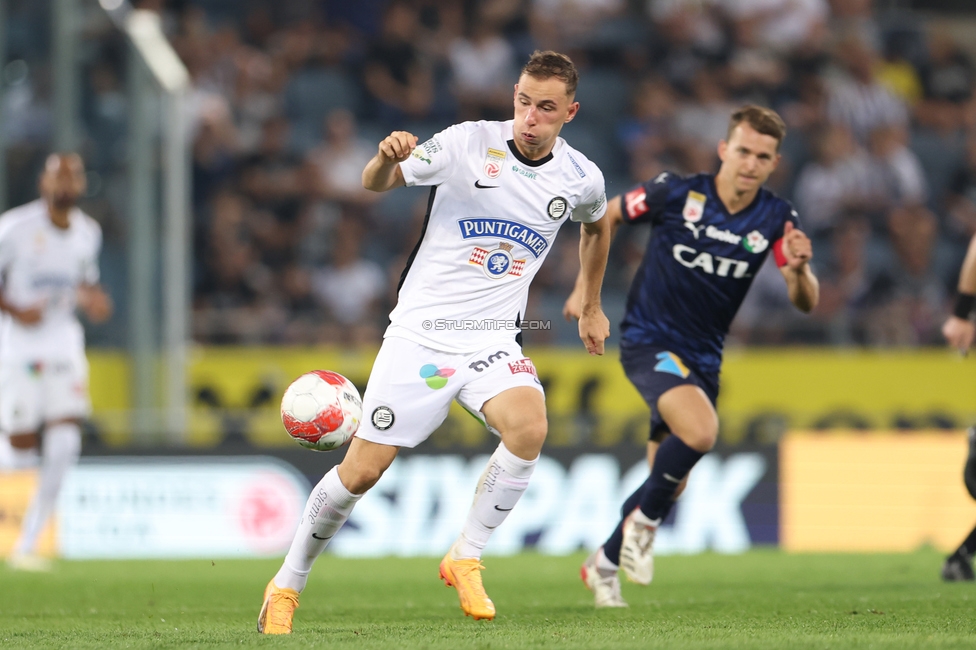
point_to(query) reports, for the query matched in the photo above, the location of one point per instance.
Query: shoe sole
(262, 615)
(448, 583)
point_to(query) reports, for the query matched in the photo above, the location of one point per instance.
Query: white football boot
(637, 550)
(606, 588)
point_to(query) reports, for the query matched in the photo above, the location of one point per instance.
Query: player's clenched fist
(397, 146)
(797, 248)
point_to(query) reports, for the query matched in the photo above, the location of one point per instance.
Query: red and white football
(321, 410)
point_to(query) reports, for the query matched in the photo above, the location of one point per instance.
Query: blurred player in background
(710, 235)
(48, 268)
(500, 191)
(959, 331)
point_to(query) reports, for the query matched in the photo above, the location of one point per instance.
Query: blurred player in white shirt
(48, 269)
(500, 191)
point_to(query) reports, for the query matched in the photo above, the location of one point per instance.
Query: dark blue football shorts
(654, 371)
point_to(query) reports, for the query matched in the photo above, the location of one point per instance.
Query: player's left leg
(693, 422)
(60, 449)
(509, 396)
(958, 567)
(607, 559)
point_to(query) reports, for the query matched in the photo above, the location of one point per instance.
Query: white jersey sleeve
(434, 161)
(593, 204)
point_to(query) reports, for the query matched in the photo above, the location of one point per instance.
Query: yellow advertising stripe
(801, 387)
(873, 492)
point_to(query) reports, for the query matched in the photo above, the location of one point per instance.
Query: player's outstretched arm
(959, 329)
(573, 306)
(801, 283)
(382, 172)
(594, 327)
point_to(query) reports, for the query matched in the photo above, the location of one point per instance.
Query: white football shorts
(35, 392)
(411, 387)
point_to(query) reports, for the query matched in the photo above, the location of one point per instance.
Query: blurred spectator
(646, 132)
(838, 179)
(947, 78)
(337, 164)
(483, 67)
(846, 278)
(783, 26)
(857, 99)
(571, 24)
(273, 177)
(961, 202)
(703, 118)
(351, 286)
(399, 80)
(909, 295)
(898, 176)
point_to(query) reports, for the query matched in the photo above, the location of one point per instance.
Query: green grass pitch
(763, 599)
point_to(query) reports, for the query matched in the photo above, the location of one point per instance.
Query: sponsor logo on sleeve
(382, 418)
(576, 166)
(635, 202)
(557, 208)
(600, 202)
(694, 207)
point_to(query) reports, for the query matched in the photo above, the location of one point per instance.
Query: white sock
(327, 509)
(499, 489)
(643, 520)
(60, 448)
(603, 564)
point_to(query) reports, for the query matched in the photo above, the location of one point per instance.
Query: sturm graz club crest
(382, 417)
(497, 263)
(557, 208)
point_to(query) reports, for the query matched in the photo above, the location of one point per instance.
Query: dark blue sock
(611, 548)
(673, 461)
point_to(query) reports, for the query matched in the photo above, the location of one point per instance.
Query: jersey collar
(525, 161)
(725, 210)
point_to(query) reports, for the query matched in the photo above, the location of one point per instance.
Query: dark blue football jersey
(699, 264)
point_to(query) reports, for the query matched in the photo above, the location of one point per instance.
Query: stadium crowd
(290, 98)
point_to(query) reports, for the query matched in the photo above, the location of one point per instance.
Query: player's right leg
(401, 409)
(327, 509)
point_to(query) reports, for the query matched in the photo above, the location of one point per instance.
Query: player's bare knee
(525, 439)
(358, 477)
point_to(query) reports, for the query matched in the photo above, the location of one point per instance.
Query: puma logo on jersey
(710, 264)
(693, 228)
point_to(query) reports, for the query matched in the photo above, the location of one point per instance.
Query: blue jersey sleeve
(645, 203)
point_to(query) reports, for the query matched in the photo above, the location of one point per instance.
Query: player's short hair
(762, 119)
(548, 64)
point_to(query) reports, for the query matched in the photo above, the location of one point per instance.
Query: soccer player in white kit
(48, 269)
(500, 192)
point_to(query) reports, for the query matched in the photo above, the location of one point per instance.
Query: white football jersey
(491, 220)
(43, 264)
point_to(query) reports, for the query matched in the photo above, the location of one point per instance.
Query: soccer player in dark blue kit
(710, 235)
